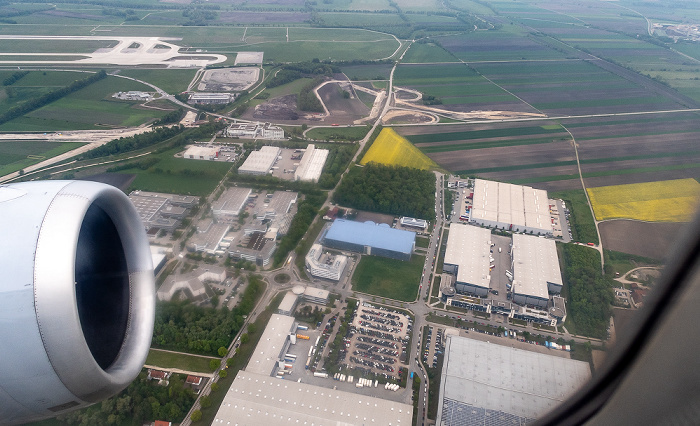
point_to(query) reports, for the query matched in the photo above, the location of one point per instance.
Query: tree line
(389, 189)
(15, 77)
(590, 293)
(47, 98)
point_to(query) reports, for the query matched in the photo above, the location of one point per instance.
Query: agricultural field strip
(486, 144)
(582, 161)
(482, 134)
(605, 173)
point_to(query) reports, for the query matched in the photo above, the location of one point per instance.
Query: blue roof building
(370, 238)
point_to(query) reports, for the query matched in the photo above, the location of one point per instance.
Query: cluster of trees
(183, 326)
(16, 76)
(337, 346)
(200, 15)
(128, 14)
(590, 293)
(309, 315)
(389, 189)
(171, 117)
(431, 100)
(307, 100)
(54, 95)
(306, 212)
(144, 401)
(338, 158)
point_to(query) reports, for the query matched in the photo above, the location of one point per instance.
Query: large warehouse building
(467, 257)
(513, 207)
(370, 238)
(536, 270)
(230, 204)
(256, 397)
(260, 162)
(502, 385)
(311, 164)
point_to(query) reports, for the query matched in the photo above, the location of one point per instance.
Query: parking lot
(379, 340)
(434, 346)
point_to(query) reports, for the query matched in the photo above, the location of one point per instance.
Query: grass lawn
(14, 155)
(422, 242)
(171, 80)
(581, 219)
(178, 175)
(181, 361)
(390, 278)
(354, 133)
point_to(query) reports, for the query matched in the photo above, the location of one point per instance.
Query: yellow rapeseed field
(392, 149)
(664, 201)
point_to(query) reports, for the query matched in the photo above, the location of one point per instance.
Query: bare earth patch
(653, 240)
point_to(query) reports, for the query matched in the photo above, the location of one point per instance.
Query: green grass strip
(479, 134)
(627, 135)
(486, 145)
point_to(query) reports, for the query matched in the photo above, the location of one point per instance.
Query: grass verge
(390, 278)
(176, 360)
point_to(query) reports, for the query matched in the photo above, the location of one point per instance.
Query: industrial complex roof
(268, 350)
(288, 302)
(260, 161)
(535, 263)
(507, 204)
(487, 376)
(371, 234)
(311, 164)
(232, 201)
(203, 152)
(468, 247)
(256, 399)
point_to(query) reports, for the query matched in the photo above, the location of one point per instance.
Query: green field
(422, 242)
(14, 154)
(173, 81)
(390, 278)
(582, 224)
(90, 108)
(481, 134)
(179, 176)
(427, 52)
(178, 360)
(354, 133)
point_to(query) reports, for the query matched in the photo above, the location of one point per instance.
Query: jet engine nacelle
(77, 297)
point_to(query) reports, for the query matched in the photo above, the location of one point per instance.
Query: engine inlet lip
(55, 297)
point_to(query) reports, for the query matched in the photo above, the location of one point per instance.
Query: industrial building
(325, 265)
(193, 283)
(275, 213)
(370, 238)
(488, 383)
(536, 271)
(255, 130)
(161, 211)
(257, 247)
(311, 164)
(411, 222)
(288, 304)
(316, 295)
(229, 205)
(210, 98)
(256, 397)
(260, 162)
(511, 207)
(209, 237)
(467, 258)
(133, 95)
(196, 152)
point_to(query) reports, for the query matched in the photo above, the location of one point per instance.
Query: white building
(411, 222)
(311, 164)
(467, 257)
(316, 295)
(326, 266)
(255, 130)
(536, 270)
(260, 162)
(229, 205)
(511, 207)
(210, 98)
(196, 152)
(288, 303)
(268, 131)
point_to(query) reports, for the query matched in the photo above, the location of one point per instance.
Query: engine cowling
(77, 297)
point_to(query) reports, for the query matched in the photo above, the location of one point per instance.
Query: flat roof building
(311, 164)
(272, 345)
(485, 382)
(196, 152)
(260, 162)
(536, 270)
(229, 205)
(161, 211)
(370, 238)
(288, 303)
(316, 295)
(255, 247)
(210, 98)
(208, 237)
(324, 265)
(467, 257)
(412, 222)
(511, 207)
